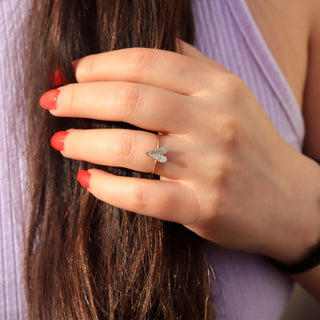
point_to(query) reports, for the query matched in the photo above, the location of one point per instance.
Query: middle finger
(144, 106)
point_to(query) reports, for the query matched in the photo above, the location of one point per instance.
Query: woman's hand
(230, 177)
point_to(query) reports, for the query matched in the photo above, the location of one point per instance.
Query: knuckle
(227, 128)
(221, 182)
(231, 87)
(130, 96)
(85, 68)
(71, 102)
(214, 207)
(222, 176)
(230, 130)
(138, 193)
(123, 148)
(219, 198)
(141, 59)
(103, 101)
(182, 69)
(167, 203)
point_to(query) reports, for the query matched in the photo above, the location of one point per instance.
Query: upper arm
(311, 107)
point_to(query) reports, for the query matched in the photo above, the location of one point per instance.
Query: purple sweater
(246, 286)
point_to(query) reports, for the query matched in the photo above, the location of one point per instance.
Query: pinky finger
(164, 200)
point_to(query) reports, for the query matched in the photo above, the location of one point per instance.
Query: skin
(298, 55)
(222, 146)
(285, 26)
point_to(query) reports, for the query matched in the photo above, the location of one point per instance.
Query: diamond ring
(158, 155)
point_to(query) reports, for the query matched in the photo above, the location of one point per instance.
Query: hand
(230, 177)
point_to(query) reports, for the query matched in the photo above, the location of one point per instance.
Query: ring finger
(122, 148)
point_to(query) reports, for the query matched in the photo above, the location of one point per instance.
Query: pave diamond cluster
(158, 154)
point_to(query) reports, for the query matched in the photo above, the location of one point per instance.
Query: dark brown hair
(86, 259)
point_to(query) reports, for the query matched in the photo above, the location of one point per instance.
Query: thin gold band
(155, 161)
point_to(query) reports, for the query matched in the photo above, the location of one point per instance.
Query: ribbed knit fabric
(247, 287)
(12, 166)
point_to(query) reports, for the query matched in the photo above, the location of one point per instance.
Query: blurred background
(302, 306)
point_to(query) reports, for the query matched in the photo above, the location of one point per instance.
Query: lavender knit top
(246, 286)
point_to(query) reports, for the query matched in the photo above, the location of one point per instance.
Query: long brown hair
(86, 259)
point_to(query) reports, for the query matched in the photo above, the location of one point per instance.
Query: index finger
(159, 68)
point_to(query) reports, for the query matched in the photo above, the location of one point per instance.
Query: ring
(158, 154)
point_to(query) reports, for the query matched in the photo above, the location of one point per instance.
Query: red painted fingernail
(84, 178)
(59, 78)
(57, 140)
(49, 99)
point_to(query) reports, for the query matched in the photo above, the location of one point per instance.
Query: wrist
(308, 262)
(304, 254)
(300, 232)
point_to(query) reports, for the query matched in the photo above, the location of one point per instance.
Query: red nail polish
(48, 100)
(57, 140)
(59, 78)
(84, 178)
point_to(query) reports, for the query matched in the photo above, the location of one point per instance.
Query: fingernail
(57, 140)
(84, 178)
(59, 78)
(49, 99)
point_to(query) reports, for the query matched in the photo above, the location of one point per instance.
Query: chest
(284, 26)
